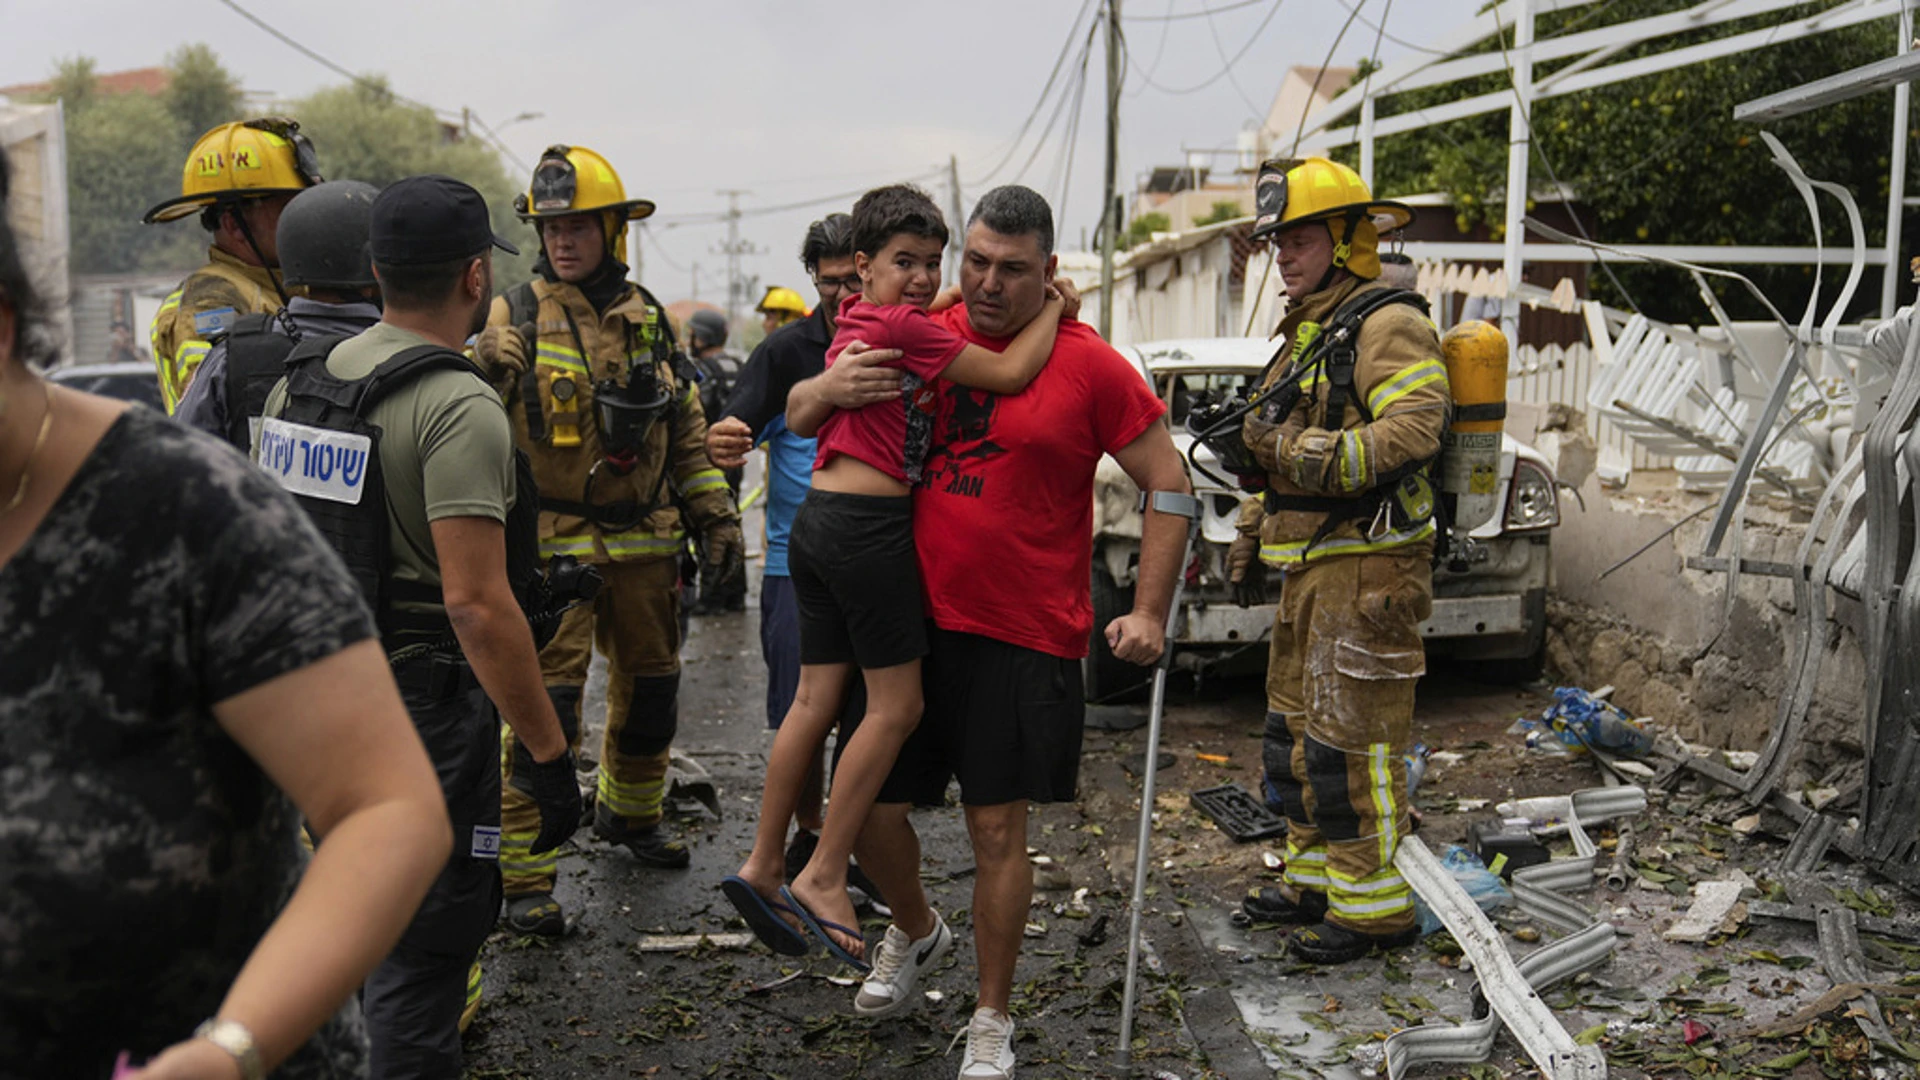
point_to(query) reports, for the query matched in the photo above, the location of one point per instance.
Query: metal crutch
(1187, 506)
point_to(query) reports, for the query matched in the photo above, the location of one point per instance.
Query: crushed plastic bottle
(1579, 721)
(1416, 767)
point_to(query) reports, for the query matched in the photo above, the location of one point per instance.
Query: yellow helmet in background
(782, 301)
(246, 159)
(1291, 191)
(576, 180)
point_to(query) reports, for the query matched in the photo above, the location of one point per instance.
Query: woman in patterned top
(183, 662)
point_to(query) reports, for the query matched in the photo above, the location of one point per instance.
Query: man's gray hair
(1012, 210)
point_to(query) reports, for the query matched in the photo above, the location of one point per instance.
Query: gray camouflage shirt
(142, 852)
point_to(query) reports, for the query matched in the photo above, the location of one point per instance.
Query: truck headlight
(1532, 502)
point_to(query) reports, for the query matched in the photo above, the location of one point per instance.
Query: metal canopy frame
(1590, 57)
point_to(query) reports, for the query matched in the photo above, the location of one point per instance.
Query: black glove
(1250, 585)
(557, 792)
(724, 558)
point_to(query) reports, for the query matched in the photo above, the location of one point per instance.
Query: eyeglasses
(850, 283)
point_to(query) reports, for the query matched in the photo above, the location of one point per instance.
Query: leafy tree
(1222, 210)
(363, 132)
(1659, 159)
(1142, 228)
(74, 82)
(201, 94)
(123, 156)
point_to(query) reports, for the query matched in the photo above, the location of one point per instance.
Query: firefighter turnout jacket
(210, 300)
(1319, 465)
(588, 508)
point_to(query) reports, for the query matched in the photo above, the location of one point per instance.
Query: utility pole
(695, 275)
(1110, 212)
(733, 249)
(955, 226)
(639, 256)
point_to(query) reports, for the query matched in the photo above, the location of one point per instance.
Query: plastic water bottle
(1581, 720)
(1416, 767)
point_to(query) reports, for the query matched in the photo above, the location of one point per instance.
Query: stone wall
(1667, 639)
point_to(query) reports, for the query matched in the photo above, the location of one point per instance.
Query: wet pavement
(621, 997)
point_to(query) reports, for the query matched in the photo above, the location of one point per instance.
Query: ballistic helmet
(707, 327)
(247, 159)
(324, 236)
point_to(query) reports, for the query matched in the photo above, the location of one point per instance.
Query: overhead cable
(1046, 91)
(1226, 68)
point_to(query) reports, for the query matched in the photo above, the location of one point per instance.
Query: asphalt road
(620, 997)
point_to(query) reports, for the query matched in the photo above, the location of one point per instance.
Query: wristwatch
(233, 1037)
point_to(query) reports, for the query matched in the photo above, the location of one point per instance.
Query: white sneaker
(989, 1047)
(889, 988)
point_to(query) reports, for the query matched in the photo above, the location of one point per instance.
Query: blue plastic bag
(1485, 886)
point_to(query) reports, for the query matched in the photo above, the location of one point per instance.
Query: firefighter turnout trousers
(635, 621)
(1346, 654)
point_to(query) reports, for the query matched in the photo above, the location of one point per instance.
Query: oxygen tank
(1476, 358)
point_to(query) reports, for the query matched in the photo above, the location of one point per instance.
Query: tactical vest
(257, 349)
(324, 450)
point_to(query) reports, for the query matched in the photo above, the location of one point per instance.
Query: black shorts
(1004, 720)
(856, 580)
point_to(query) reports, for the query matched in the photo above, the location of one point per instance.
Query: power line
(1314, 86)
(1159, 50)
(1204, 12)
(1220, 50)
(1226, 68)
(371, 84)
(1059, 62)
(1086, 54)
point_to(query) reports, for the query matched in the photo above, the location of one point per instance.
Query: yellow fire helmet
(782, 300)
(576, 180)
(246, 159)
(1289, 191)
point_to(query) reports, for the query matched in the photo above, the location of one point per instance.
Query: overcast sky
(792, 101)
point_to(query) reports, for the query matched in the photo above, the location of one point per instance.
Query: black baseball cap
(431, 219)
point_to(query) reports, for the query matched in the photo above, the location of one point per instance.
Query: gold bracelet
(233, 1037)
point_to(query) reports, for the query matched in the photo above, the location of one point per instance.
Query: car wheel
(1108, 680)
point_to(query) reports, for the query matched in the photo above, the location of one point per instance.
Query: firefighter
(608, 411)
(1351, 416)
(719, 371)
(779, 307)
(239, 177)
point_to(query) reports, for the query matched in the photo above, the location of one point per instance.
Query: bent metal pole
(1186, 506)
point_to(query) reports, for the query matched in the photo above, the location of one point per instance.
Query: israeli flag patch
(315, 462)
(217, 321)
(486, 842)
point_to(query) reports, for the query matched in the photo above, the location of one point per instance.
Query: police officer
(617, 437)
(1355, 412)
(239, 176)
(322, 239)
(404, 457)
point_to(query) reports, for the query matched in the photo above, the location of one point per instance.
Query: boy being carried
(856, 577)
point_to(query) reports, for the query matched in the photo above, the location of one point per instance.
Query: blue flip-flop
(820, 927)
(763, 917)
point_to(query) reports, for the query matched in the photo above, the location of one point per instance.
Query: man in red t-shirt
(1003, 524)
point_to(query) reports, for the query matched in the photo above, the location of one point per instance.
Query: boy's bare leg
(815, 705)
(893, 711)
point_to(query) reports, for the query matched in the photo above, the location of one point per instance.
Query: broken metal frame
(1508, 992)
